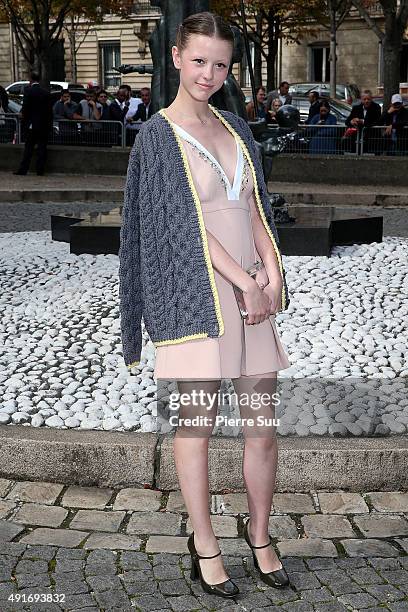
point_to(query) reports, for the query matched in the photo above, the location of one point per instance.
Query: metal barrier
(9, 129)
(314, 140)
(88, 132)
(327, 140)
(305, 139)
(378, 140)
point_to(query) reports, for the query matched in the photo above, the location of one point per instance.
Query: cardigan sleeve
(130, 290)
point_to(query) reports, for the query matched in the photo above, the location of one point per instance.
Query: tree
(38, 25)
(330, 15)
(269, 21)
(77, 28)
(395, 13)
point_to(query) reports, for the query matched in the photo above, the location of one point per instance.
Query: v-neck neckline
(232, 188)
(238, 165)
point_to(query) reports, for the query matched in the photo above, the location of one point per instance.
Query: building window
(319, 63)
(110, 57)
(245, 79)
(404, 63)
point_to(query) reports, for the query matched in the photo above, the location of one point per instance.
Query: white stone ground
(346, 333)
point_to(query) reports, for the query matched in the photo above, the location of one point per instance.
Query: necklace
(202, 121)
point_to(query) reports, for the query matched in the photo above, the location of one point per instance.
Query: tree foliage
(38, 24)
(391, 35)
(267, 22)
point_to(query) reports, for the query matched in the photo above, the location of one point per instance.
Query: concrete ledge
(71, 160)
(341, 169)
(355, 464)
(341, 195)
(88, 458)
(121, 459)
(324, 169)
(61, 195)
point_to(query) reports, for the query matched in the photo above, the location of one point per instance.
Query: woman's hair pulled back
(205, 23)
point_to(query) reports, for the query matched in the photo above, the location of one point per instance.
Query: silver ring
(262, 286)
(244, 314)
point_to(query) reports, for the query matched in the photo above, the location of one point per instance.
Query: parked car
(344, 91)
(340, 109)
(14, 105)
(17, 88)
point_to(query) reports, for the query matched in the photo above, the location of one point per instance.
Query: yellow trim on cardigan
(135, 363)
(181, 339)
(258, 201)
(205, 244)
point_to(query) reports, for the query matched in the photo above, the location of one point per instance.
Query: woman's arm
(258, 304)
(264, 247)
(226, 265)
(263, 243)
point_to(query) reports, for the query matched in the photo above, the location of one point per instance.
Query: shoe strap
(212, 556)
(263, 546)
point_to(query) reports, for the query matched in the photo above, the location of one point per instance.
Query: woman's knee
(261, 444)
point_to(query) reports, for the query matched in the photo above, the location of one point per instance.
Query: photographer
(271, 115)
(88, 109)
(120, 105)
(64, 108)
(63, 111)
(396, 132)
(365, 115)
(314, 108)
(103, 100)
(323, 138)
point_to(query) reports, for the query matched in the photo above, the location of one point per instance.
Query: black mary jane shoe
(222, 589)
(277, 578)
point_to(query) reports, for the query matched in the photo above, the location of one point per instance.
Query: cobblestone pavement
(92, 549)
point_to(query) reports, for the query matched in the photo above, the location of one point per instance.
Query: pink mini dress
(243, 349)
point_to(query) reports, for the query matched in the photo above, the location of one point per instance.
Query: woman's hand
(257, 304)
(262, 278)
(274, 292)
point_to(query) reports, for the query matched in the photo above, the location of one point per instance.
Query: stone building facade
(117, 41)
(359, 56)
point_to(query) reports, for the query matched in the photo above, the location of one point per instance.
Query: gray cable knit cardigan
(165, 270)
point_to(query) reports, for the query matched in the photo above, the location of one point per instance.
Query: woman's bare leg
(191, 458)
(259, 462)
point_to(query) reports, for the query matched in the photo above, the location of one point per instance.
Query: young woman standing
(217, 165)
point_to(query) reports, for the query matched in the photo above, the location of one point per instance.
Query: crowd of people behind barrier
(97, 108)
(362, 126)
(102, 120)
(98, 119)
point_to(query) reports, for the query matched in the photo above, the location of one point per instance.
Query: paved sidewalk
(104, 549)
(88, 188)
